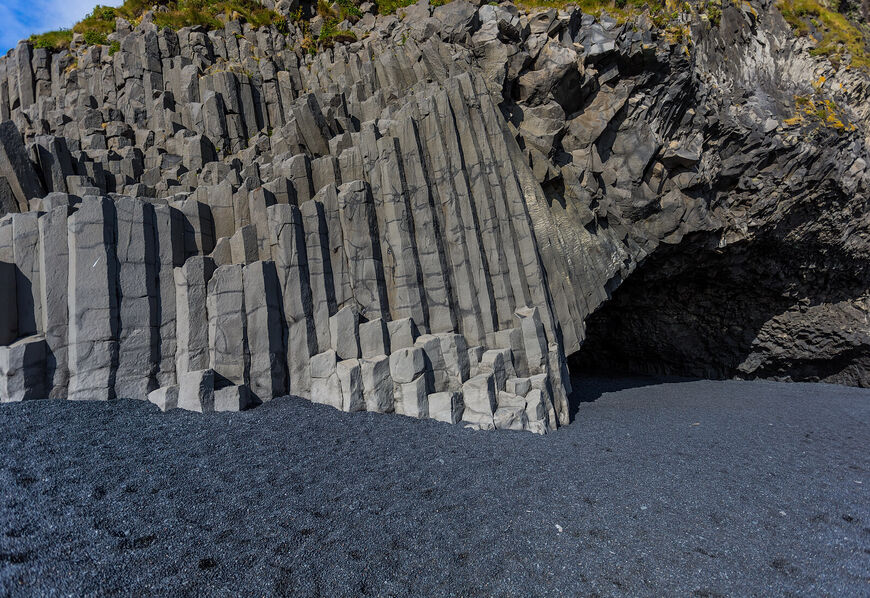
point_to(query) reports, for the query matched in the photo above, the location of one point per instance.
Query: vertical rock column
(338, 261)
(169, 228)
(363, 249)
(291, 261)
(473, 303)
(429, 240)
(319, 270)
(16, 167)
(401, 263)
(228, 327)
(488, 202)
(22, 370)
(8, 293)
(139, 338)
(191, 287)
(54, 282)
(93, 300)
(25, 247)
(265, 331)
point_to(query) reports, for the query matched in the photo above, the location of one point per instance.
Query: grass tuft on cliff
(835, 36)
(175, 14)
(819, 111)
(53, 40)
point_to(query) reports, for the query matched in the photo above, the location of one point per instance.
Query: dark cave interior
(697, 310)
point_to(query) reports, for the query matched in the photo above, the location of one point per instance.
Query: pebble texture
(690, 488)
(467, 182)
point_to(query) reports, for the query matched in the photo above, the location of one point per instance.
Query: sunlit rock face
(428, 220)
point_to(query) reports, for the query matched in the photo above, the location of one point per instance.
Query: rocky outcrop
(427, 221)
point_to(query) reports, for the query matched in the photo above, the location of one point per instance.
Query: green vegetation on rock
(330, 34)
(819, 111)
(53, 40)
(621, 10)
(834, 35)
(388, 7)
(175, 14)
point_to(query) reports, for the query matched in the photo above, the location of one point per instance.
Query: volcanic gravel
(689, 488)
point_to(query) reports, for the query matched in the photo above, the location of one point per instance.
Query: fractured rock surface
(213, 219)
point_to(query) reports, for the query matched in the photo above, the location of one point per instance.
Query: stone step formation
(423, 221)
(367, 245)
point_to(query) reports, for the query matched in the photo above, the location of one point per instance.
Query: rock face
(429, 220)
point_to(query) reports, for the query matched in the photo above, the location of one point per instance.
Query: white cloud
(21, 18)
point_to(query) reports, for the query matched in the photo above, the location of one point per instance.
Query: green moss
(330, 35)
(834, 35)
(713, 10)
(178, 14)
(282, 25)
(818, 111)
(388, 7)
(98, 24)
(661, 11)
(53, 40)
(95, 38)
(113, 48)
(349, 10)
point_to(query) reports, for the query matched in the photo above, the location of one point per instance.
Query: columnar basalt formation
(422, 221)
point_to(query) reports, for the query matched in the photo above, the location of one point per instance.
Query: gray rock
(361, 246)
(232, 398)
(374, 338)
(498, 363)
(325, 384)
(534, 186)
(16, 167)
(165, 397)
(479, 395)
(139, 337)
(289, 253)
(265, 331)
(229, 354)
(403, 333)
(411, 398)
(196, 391)
(93, 300)
(22, 370)
(436, 368)
(457, 20)
(406, 365)
(222, 254)
(446, 407)
(191, 283)
(456, 364)
(534, 339)
(377, 384)
(25, 248)
(169, 233)
(344, 333)
(510, 418)
(350, 377)
(243, 245)
(8, 317)
(518, 386)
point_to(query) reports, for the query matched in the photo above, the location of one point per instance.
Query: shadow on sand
(588, 388)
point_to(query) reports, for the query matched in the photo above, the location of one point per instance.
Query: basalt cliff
(433, 212)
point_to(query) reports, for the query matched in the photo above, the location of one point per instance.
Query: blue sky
(20, 18)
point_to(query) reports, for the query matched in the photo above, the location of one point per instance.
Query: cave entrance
(760, 308)
(685, 312)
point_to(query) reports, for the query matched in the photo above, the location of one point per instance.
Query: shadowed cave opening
(696, 310)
